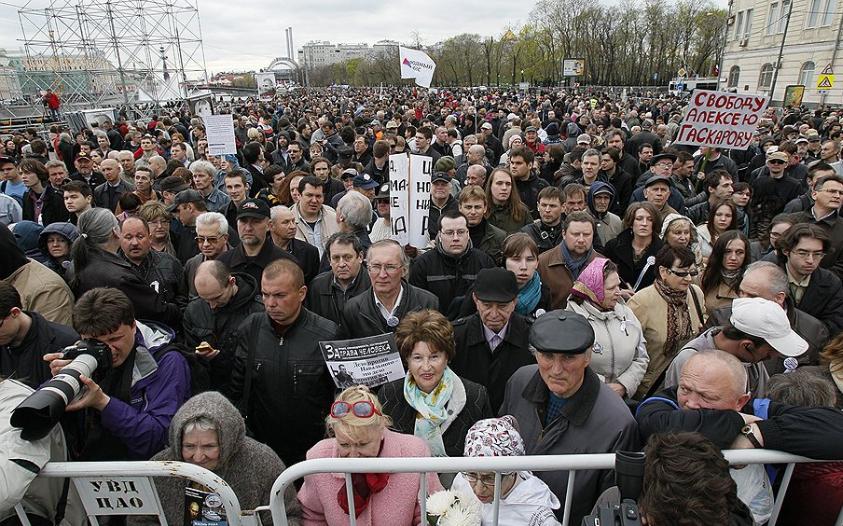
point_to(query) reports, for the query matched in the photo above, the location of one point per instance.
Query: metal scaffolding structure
(94, 53)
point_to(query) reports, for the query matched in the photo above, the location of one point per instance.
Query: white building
(315, 54)
(755, 32)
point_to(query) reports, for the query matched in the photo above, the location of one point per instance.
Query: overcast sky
(248, 34)
(243, 35)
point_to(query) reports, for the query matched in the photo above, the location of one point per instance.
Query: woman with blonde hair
(358, 429)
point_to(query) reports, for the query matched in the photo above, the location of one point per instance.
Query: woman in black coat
(432, 402)
(634, 250)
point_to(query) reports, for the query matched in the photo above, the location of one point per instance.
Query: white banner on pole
(399, 178)
(421, 170)
(721, 120)
(417, 65)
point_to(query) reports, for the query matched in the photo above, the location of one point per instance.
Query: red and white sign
(721, 120)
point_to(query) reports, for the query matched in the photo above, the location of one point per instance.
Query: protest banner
(220, 131)
(721, 119)
(399, 179)
(409, 193)
(421, 170)
(370, 361)
(266, 84)
(123, 496)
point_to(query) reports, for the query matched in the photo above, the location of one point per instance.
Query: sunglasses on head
(361, 409)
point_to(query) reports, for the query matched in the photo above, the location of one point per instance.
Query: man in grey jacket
(562, 407)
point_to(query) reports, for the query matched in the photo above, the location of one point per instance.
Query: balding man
(279, 376)
(282, 229)
(211, 320)
(711, 399)
(476, 157)
(764, 279)
(475, 175)
(108, 193)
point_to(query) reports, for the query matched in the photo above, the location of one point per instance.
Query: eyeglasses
(207, 239)
(388, 268)
(832, 192)
(684, 273)
(485, 481)
(452, 233)
(361, 409)
(808, 254)
(776, 161)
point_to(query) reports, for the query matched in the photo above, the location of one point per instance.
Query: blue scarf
(576, 266)
(529, 295)
(431, 410)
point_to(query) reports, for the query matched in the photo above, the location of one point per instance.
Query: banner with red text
(721, 120)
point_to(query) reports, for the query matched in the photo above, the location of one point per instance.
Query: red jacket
(52, 101)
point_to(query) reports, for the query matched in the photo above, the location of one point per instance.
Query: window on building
(747, 20)
(773, 18)
(739, 26)
(734, 74)
(806, 74)
(766, 77)
(820, 13)
(785, 11)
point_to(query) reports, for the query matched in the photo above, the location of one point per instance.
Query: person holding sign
(432, 402)
(381, 308)
(358, 426)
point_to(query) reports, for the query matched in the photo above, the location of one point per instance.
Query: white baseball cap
(768, 320)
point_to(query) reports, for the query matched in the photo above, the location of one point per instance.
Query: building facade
(756, 30)
(315, 54)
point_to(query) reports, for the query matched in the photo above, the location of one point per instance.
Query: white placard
(370, 361)
(118, 496)
(220, 130)
(399, 178)
(421, 170)
(721, 120)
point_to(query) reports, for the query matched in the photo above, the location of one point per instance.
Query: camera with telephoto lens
(629, 475)
(42, 410)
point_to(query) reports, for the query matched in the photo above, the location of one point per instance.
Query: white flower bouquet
(452, 508)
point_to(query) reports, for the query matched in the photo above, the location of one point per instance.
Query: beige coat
(327, 224)
(651, 310)
(722, 296)
(43, 291)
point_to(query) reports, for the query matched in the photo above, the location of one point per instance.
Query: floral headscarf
(494, 437)
(589, 284)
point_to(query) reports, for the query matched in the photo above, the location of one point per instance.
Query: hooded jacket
(67, 231)
(609, 225)
(530, 502)
(218, 327)
(236, 451)
(41, 290)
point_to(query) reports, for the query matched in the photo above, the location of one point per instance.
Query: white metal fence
(119, 471)
(498, 465)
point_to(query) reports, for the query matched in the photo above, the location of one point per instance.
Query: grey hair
(211, 219)
(591, 152)
(405, 260)
(199, 423)
(356, 209)
(97, 224)
(203, 166)
(275, 210)
(802, 388)
(736, 369)
(776, 277)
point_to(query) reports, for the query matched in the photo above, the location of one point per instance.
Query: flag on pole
(417, 65)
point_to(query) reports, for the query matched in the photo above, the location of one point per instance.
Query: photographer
(127, 411)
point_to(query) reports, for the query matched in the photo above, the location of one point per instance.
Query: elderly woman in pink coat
(359, 429)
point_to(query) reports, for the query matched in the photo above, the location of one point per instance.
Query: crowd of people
(587, 285)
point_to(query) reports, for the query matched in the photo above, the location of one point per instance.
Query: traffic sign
(825, 82)
(827, 70)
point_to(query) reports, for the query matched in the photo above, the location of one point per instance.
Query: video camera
(629, 475)
(42, 410)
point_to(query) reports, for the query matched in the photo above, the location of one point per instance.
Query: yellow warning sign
(825, 82)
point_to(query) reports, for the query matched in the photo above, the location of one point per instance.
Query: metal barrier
(118, 471)
(498, 465)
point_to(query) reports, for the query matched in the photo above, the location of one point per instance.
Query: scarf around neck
(529, 295)
(435, 410)
(679, 328)
(575, 265)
